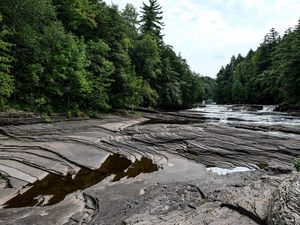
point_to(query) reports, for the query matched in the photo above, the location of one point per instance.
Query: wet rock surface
(161, 175)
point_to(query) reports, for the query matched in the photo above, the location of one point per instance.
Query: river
(219, 163)
(263, 118)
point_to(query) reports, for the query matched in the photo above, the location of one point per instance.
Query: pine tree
(151, 21)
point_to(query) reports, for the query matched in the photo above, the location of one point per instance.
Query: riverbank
(189, 149)
(13, 116)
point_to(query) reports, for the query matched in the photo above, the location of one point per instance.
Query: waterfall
(268, 108)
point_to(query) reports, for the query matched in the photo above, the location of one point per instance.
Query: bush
(42, 104)
(297, 164)
(69, 114)
(47, 118)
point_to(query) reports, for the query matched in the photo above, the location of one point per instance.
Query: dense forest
(269, 75)
(81, 55)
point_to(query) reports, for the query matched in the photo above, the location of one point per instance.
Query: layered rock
(181, 145)
(285, 203)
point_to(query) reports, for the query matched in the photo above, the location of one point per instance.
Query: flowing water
(249, 115)
(223, 171)
(259, 118)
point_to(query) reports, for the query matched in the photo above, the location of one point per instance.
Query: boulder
(285, 204)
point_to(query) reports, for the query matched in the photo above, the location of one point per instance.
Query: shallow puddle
(53, 188)
(222, 171)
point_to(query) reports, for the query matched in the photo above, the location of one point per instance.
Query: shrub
(297, 164)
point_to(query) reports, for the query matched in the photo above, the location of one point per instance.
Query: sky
(208, 32)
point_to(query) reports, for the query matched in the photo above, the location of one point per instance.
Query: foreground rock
(285, 204)
(182, 145)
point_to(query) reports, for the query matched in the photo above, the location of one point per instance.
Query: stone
(284, 206)
(181, 144)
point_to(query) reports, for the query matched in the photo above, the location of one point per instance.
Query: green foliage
(149, 95)
(129, 94)
(168, 86)
(151, 22)
(177, 86)
(238, 92)
(6, 78)
(297, 164)
(77, 15)
(270, 75)
(47, 118)
(209, 86)
(130, 15)
(101, 71)
(41, 104)
(64, 75)
(146, 58)
(85, 56)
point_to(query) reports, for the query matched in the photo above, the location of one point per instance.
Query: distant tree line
(269, 75)
(70, 55)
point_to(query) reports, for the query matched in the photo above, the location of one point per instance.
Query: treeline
(269, 75)
(70, 55)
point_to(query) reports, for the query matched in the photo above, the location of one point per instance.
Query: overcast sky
(208, 32)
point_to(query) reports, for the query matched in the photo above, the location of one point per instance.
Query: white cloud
(209, 32)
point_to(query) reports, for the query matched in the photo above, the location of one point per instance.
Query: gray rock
(181, 192)
(285, 204)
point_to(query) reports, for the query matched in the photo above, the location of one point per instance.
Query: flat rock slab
(18, 174)
(59, 214)
(29, 170)
(181, 192)
(80, 153)
(121, 125)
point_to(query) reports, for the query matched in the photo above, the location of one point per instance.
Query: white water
(264, 117)
(240, 115)
(222, 171)
(268, 108)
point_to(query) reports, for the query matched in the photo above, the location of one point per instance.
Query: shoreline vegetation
(19, 117)
(269, 75)
(84, 58)
(75, 56)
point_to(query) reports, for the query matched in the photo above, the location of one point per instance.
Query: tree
(272, 38)
(238, 92)
(209, 85)
(78, 16)
(286, 65)
(269, 75)
(168, 87)
(149, 95)
(26, 20)
(63, 77)
(146, 58)
(151, 21)
(130, 14)
(101, 71)
(72, 55)
(124, 92)
(6, 78)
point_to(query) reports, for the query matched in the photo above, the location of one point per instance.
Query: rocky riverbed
(215, 165)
